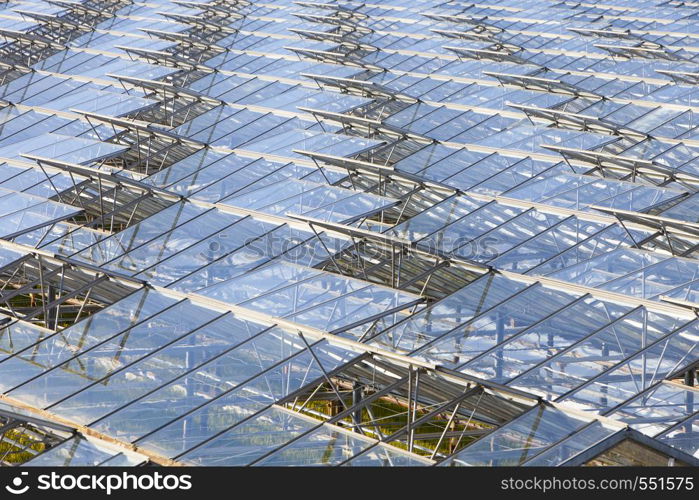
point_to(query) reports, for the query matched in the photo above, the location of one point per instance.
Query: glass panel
(258, 282)
(659, 408)
(592, 356)
(230, 239)
(56, 348)
(570, 447)
(180, 239)
(81, 452)
(138, 234)
(684, 437)
(311, 199)
(546, 245)
(495, 326)
(641, 371)
(234, 405)
(655, 280)
(324, 446)
(448, 313)
(544, 339)
(155, 369)
(251, 439)
(114, 353)
(605, 268)
(386, 456)
(209, 398)
(8, 256)
(601, 243)
(501, 239)
(18, 335)
(435, 218)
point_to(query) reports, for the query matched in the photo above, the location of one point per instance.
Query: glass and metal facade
(350, 234)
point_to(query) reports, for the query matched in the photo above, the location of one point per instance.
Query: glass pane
(448, 313)
(518, 441)
(251, 439)
(324, 446)
(81, 452)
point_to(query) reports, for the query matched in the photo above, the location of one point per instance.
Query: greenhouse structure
(277, 232)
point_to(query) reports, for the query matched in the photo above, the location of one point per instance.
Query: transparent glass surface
(597, 353)
(325, 446)
(563, 451)
(448, 314)
(81, 452)
(520, 440)
(651, 365)
(659, 408)
(57, 348)
(684, 436)
(232, 406)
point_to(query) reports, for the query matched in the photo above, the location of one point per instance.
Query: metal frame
(369, 51)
